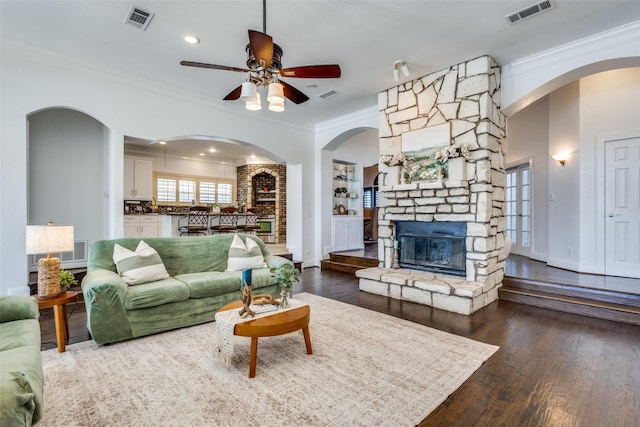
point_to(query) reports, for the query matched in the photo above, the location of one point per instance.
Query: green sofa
(21, 378)
(197, 288)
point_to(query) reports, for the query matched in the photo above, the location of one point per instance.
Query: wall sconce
(561, 157)
(41, 239)
(400, 66)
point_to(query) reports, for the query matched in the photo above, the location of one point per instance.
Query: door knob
(611, 215)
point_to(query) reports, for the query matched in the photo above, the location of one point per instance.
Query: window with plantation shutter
(171, 188)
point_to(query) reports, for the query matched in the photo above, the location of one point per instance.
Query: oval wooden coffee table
(272, 325)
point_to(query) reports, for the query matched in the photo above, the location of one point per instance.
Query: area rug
(367, 369)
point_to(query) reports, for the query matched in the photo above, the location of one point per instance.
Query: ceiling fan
(265, 69)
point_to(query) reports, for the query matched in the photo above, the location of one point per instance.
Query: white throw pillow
(142, 266)
(244, 256)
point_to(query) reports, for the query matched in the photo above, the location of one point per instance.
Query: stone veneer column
(468, 96)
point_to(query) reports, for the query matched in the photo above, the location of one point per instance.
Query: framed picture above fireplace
(420, 147)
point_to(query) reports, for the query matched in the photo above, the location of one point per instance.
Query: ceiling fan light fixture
(254, 105)
(278, 107)
(249, 92)
(276, 93)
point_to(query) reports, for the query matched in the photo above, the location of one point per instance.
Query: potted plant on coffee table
(285, 276)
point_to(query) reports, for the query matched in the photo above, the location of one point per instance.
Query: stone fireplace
(464, 221)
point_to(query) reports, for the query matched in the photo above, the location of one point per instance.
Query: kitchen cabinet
(138, 178)
(347, 233)
(142, 226)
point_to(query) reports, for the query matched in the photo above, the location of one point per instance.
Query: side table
(59, 315)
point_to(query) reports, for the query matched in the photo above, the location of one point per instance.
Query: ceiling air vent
(328, 94)
(530, 11)
(139, 18)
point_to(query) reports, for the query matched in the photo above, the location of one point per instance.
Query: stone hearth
(467, 96)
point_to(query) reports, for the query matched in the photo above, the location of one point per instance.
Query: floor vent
(530, 11)
(329, 94)
(139, 18)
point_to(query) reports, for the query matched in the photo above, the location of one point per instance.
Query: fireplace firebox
(438, 247)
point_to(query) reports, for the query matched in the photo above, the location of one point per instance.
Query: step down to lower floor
(348, 263)
(587, 303)
(339, 266)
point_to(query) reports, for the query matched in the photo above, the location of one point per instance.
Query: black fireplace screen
(438, 247)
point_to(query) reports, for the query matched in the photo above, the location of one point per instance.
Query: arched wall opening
(360, 146)
(575, 112)
(68, 176)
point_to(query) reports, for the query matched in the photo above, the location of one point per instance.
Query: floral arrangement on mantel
(452, 151)
(394, 159)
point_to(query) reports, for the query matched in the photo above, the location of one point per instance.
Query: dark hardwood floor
(552, 369)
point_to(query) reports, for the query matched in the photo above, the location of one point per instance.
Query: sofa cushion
(155, 293)
(142, 266)
(17, 399)
(19, 333)
(244, 256)
(260, 278)
(210, 284)
(22, 373)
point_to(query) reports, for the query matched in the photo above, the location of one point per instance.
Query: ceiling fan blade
(234, 94)
(293, 94)
(262, 47)
(313, 72)
(213, 66)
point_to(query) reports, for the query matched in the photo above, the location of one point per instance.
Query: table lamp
(41, 239)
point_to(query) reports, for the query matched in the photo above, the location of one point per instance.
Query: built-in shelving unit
(347, 189)
(347, 225)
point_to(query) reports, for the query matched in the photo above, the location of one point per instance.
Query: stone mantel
(425, 185)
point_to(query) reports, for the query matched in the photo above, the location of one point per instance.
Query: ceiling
(365, 37)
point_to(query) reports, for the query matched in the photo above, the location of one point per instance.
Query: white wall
(33, 79)
(564, 183)
(528, 142)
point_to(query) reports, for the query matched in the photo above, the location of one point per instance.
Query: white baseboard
(563, 263)
(538, 256)
(22, 290)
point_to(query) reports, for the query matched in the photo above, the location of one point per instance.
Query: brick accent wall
(254, 178)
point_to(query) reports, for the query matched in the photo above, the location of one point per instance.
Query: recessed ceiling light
(201, 154)
(162, 143)
(212, 150)
(191, 39)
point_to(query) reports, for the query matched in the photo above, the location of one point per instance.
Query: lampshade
(396, 74)
(50, 238)
(276, 106)
(254, 105)
(249, 92)
(42, 239)
(276, 93)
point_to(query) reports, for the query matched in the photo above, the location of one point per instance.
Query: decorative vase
(403, 178)
(284, 298)
(457, 169)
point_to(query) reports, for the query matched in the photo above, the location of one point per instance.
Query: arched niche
(68, 177)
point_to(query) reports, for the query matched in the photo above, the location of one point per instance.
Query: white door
(518, 200)
(622, 207)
